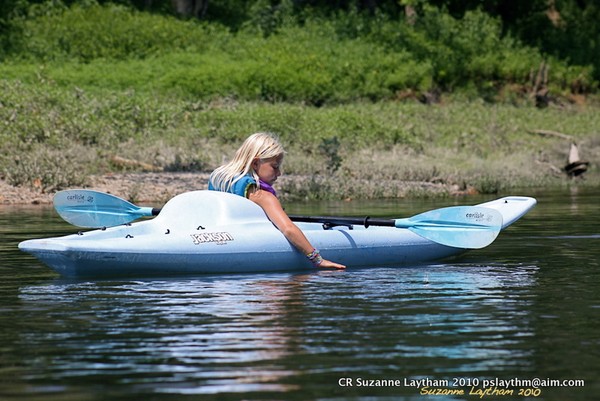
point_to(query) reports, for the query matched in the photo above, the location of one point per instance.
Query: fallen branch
(128, 163)
(556, 134)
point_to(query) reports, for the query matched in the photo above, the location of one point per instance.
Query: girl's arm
(277, 215)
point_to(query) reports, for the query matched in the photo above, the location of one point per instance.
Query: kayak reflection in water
(251, 174)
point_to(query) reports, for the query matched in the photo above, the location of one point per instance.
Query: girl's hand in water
(327, 264)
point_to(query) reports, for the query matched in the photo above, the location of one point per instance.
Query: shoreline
(160, 187)
(152, 188)
(138, 187)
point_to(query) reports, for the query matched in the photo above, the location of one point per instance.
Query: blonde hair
(262, 146)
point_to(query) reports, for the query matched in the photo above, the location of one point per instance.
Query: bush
(89, 32)
(472, 51)
(343, 59)
(49, 169)
(284, 54)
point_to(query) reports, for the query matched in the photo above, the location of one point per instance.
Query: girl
(251, 174)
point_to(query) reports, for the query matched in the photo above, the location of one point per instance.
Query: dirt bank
(157, 188)
(139, 187)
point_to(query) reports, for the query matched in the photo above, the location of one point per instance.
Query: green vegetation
(363, 102)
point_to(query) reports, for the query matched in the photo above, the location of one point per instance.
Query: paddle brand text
(476, 216)
(78, 198)
(479, 216)
(219, 238)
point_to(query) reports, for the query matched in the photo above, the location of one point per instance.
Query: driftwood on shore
(555, 134)
(122, 162)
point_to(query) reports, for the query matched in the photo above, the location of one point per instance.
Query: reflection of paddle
(458, 226)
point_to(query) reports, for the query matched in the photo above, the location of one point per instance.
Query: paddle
(94, 209)
(458, 226)
(470, 227)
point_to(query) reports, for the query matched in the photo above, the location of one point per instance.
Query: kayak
(210, 232)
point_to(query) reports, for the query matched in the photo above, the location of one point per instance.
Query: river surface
(525, 308)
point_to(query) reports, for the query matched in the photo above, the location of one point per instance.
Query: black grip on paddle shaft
(355, 221)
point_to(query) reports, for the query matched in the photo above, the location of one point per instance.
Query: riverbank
(158, 188)
(138, 187)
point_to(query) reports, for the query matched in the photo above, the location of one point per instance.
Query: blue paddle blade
(93, 209)
(470, 227)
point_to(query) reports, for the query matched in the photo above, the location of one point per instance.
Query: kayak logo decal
(219, 238)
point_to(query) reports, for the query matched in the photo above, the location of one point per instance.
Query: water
(526, 307)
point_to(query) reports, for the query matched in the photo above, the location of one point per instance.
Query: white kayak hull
(213, 232)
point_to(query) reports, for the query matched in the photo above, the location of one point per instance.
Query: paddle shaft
(366, 222)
